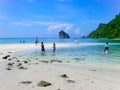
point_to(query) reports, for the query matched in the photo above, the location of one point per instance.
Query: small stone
(5, 57)
(92, 81)
(26, 82)
(10, 64)
(70, 81)
(43, 84)
(18, 60)
(37, 63)
(25, 61)
(92, 70)
(44, 61)
(9, 59)
(22, 67)
(56, 61)
(9, 68)
(64, 76)
(19, 64)
(1, 53)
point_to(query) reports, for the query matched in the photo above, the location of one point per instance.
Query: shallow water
(88, 51)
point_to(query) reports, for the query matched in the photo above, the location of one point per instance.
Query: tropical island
(63, 35)
(110, 30)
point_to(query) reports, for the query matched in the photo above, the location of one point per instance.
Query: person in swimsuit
(42, 47)
(106, 48)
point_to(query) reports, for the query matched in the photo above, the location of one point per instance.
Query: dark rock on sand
(18, 60)
(92, 70)
(43, 84)
(70, 81)
(64, 76)
(1, 53)
(5, 57)
(26, 82)
(21, 67)
(9, 59)
(44, 61)
(92, 81)
(14, 58)
(10, 64)
(19, 64)
(25, 61)
(56, 61)
(9, 52)
(9, 68)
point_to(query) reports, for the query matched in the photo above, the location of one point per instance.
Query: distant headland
(110, 30)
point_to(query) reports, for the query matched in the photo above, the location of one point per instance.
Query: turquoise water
(88, 51)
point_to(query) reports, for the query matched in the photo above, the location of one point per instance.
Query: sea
(85, 51)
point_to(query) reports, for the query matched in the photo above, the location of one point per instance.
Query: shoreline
(80, 76)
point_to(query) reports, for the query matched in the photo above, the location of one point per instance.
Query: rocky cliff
(63, 35)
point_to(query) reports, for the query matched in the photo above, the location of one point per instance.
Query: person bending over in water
(42, 47)
(106, 48)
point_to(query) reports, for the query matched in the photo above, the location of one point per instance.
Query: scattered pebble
(70, 81)
(64, 76)
(56, 61)
(92, 70)
(19, 64)
(45, 61)
(25, 61)
(9, 68)
(43, 84)
(22, 67)
(18, 60)
(26, 82)
(92, 81)
(5, 57)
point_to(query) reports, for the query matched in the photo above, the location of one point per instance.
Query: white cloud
(39, 23)
(57, 27)
(42, 23)
(77, 31)
(51, 26)
(68, 27)
(20, 24)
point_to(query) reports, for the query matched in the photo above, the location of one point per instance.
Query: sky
(45, 18)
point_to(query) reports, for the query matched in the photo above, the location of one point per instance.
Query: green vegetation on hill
(110, 30)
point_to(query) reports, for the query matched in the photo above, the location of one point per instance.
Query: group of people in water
(106, 48)
(43, 47)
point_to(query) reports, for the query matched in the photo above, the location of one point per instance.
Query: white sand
(85, 77)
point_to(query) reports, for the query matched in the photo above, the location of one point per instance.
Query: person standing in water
(106, 48)
(42, 47)
(54, 47)
(36, 41)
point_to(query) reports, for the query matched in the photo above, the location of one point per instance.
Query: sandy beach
(19, 73)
